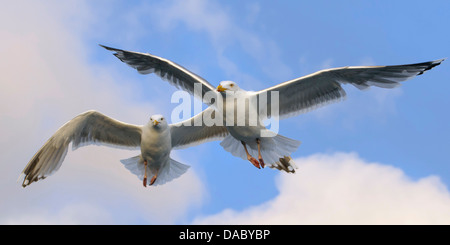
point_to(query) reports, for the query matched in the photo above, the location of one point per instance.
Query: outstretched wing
(308, 92)
(185, 134)
(90, 127)
(175, 74)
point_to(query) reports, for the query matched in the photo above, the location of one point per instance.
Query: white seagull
(295, 96)
(155, 139)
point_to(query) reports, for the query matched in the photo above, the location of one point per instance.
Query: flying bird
(155, 139)
(294, 97)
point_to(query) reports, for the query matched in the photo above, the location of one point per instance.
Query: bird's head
(158, 121)
(227, 86)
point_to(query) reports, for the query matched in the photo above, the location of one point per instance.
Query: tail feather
(285, 145)
(170, 171)
(135, 165)
(275, 151)
(233, 146)
(167, 173)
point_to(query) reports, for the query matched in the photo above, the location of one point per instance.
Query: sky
(378, 157)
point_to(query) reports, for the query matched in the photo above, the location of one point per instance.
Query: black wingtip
(108, 48)
(103, 46)
(431, 65)
(437, 62)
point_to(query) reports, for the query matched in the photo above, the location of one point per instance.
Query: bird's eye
(231, 85)
(162, 118)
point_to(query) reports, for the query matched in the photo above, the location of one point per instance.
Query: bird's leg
(152, 181)
(145, 173)
(249, 157)
(261, 161)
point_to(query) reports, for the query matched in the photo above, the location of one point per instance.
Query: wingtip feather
(432, 65)
(108, 48)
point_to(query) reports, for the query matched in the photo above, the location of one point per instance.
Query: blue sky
(389, 145)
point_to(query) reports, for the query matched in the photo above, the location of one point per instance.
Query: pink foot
(261, 162)
(144, 182)
(254, 162)
(152, 181)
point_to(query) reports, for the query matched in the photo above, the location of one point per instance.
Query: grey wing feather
(305, 93)
(175, 74)
(90, 127)
(185, 134)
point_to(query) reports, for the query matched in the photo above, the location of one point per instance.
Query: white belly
(245, 133)
(155, 146)
(241, 120)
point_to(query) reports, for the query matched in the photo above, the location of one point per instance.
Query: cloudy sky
(379, 157)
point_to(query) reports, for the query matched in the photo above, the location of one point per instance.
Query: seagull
(295, 97)
(155, 139)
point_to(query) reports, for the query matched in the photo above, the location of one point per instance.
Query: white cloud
(71, 214)
(342, 188)
(224, 31)
(198, 15)
(47, 80)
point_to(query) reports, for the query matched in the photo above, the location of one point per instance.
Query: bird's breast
(240, 111)
(245, 133)
(155, 144)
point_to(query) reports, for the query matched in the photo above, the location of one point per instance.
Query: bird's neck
(233, 94)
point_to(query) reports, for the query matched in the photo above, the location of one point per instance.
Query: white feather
(93, 127)
(168, 172)
(295, 96)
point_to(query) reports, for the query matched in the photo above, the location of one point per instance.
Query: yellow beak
(220, 88)
(155, 122)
